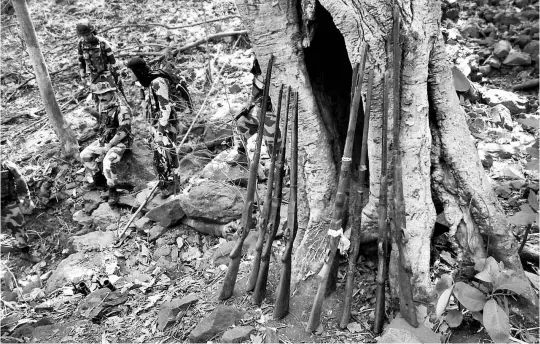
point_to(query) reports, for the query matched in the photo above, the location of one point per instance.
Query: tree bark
(65, 135)
(312, 41)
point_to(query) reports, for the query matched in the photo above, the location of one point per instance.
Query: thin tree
(65, 135)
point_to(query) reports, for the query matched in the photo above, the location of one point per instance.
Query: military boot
(113, 196)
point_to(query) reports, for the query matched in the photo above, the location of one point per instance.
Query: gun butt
(281, 306)
(229, 281)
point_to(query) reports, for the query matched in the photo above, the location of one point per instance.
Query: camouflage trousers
(13, 220)
(91, 155)
(248, 125)
(165, 155)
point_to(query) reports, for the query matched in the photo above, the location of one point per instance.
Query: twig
(134, 215)
(211, 37)
(169, 27)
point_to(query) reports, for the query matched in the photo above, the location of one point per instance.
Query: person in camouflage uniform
(247, 120)
(162, 115)
(16, 203)
(114, 138)
(96, 58)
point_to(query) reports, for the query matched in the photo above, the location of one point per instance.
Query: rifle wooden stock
(336, 230)
(355, 232)
(260, 287)
(406, 302)
(281, 306)
(383, 216)
(266, 207)
(230, 278)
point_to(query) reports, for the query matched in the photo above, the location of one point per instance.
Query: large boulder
(513, 102)
(77, 267)
(167, 214)
(220, 319)
(213, 201)
(104, 216)
(219, 170)
(93, 241)
(136, 167)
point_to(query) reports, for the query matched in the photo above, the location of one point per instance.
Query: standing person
(16, 203)
(160, 111)
(247, 120)
(114, 138)
(96, 58)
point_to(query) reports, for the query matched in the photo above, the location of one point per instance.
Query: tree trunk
(66, 137)
(315, 43)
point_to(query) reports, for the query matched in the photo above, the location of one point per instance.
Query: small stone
(234, 89)
(518, 184)
(522, 40)
(93, 241)
(395, 335)
(142, 223)
(221, 318)
(91, 200)
(81, 217)
(128, 200)
(502, 48)
(486, 159)
(155, 232)
(167, 214)
(516, 58)
(239, 334)
(494, 62)
(484, 70)
(513, 102)
(530, 15)
(532, 49)
(104, 215)
(500, 114)
(521, 3)
(503, 191)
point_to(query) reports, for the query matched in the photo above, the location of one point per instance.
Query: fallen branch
(526, 85)
(209, 38)
(167, 26)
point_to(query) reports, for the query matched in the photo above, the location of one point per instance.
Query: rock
(155, 201)
(503, 191)
(104, 215)
(532, 50)
(485, 70)
(530, 14)
(502, 48)
(142, 223)
(82, 218)
(235, 89)
(513, 102)
(522, 41)
(504, 151)
(500, 114)
(167, 214)
(168, 311)
(208, 228)
(239, 334)
(128, 200)
(93, 241)
(76, 267)
(395, 335)
(220, 319)
(271, 336)
(494, 62)
(135, 169)
(516, 58)
(528, 121)
(99, 300)
(155, 232)
(220, 255)
(162, 251)
(219, 170)
(470, 30)
(92, 200)
(506, 18)
(521, 3)
(214, 202)
(189, 165)
(518, 184)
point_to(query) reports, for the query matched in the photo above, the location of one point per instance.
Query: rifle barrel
(267, 200)
(281, 306)
(260, 286)
(229, 281)
(335, 231)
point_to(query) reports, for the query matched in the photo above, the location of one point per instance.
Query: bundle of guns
(336, 231)
(281, 306)
(247, 214)
(265, 213)
(260, 287)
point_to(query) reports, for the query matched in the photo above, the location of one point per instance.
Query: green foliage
(486, 299)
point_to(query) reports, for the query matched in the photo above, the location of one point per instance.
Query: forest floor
(168, 277)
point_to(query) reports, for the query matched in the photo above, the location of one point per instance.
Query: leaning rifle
(336, 231)
(355, 232)
(120, 85)
(281, 306)
(265, 213)
(260, 286)
(247, 214)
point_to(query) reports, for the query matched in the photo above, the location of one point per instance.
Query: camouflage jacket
(112, 121)
(161, 104)
(12, 184)
(96, 59)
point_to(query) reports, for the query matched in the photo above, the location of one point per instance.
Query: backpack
(178, 88)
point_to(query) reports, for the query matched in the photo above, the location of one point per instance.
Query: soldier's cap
(84, 27)
(102, 87)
